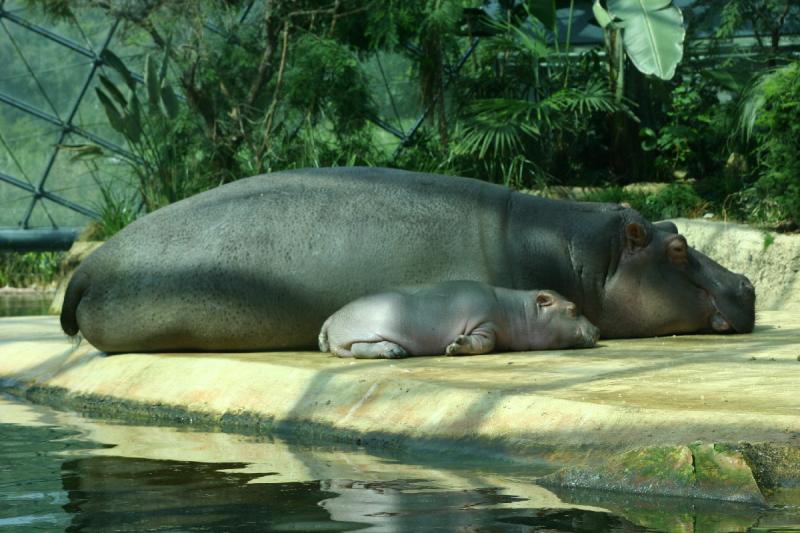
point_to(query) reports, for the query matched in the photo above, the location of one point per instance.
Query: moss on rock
(723, 473)
(699, 470)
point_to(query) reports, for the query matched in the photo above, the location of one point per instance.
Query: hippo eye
(543, 299)
(677, 251)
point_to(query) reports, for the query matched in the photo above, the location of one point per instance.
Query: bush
(29, 268)
(677, 199)
(772, 117)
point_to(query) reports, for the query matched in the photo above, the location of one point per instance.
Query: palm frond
(498, 126)
(480, 139)
(595, 97)
(752, 103)
(527, 39)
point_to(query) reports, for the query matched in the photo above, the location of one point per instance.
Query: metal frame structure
(67, 127)
(23, 237)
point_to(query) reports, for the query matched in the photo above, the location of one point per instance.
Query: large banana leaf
(653, 34)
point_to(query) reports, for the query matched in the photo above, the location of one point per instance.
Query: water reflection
(414, 505)
(61, 472)
(125, 494)
(24, 303)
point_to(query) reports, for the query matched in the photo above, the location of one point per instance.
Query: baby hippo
(454, 318)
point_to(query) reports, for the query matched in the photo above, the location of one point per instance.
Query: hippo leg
(377, 350)
(480, 340)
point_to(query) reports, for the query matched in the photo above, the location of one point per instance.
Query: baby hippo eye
(677, 250)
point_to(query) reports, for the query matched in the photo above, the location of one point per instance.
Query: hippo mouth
(722, 324)
(719, 323)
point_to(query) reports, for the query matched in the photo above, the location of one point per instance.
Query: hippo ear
(544, 299)
(666, 225)
(635, 236)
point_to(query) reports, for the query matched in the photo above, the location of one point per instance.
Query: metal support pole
(37, 240)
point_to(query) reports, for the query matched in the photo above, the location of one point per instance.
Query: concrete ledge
(568, 408)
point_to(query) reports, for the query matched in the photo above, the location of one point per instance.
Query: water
(62, 472)
(24, 303)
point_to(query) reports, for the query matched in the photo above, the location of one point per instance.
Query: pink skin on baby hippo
(454, 318)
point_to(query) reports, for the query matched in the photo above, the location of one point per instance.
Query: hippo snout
(734, 310)
(744, 320)
(746, 288)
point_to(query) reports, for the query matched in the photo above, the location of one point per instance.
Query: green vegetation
(715, 119)
(677, 199)
(772, 117)
(769, 240)
(156, 133)
(28, 269)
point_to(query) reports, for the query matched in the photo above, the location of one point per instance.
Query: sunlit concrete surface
(623, 393)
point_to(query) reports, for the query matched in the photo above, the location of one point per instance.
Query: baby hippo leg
(480, 340)
(377, 350)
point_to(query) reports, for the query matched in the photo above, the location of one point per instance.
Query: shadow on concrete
(736, 349)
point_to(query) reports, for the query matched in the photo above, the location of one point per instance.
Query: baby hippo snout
(558, 324)
(454, 318)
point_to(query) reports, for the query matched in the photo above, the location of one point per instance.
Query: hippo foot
(455, 347)
(462, 345)
(377, 350)
(480, 341)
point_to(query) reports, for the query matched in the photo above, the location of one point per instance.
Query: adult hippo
(261, 263)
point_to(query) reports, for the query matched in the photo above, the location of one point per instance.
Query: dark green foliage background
(296, 86)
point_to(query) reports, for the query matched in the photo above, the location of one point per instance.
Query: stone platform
(584, 410)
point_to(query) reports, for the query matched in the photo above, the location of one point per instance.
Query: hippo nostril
(746, 286)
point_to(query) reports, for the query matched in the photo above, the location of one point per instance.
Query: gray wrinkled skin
(262, 262)
(454, 318)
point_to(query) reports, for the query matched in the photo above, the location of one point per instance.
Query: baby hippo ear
(543, 299)
(635, 236)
